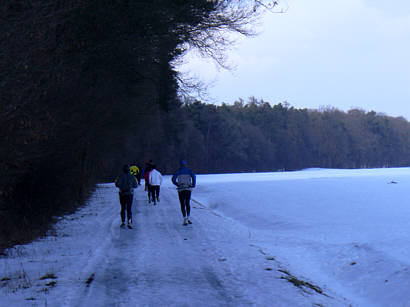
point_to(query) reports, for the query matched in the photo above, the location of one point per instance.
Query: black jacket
(126, 183)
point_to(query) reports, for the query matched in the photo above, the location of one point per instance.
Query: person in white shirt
(155, 180)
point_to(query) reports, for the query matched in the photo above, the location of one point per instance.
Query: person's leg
(153, 189)
(129, 211)
(187, 204)
(182, 202)
(157, 192)
(123, 205)
(149, 188)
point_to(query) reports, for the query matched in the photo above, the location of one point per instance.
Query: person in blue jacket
(185, 180)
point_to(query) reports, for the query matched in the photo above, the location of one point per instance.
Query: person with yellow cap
(135, 171)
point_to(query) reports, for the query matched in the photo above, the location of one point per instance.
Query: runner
(126, 183)
(135, 171)
(155, 180)
(148, 169)
(185, 180)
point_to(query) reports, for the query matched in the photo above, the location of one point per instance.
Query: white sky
(340, 53)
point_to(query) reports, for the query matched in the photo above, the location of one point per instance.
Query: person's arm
(118, 182)
(174, 178)
(193, 176)
(134, 182)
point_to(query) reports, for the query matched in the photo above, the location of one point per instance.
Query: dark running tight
(154, 192)
(184, 198)
(126, 203)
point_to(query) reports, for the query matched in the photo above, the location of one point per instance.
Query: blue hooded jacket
(184, 178)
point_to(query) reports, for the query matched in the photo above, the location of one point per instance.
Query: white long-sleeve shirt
(155, 177)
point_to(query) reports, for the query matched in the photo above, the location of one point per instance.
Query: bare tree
(212, 35)
(216, 33)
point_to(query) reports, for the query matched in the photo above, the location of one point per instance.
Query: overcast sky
(340, 53)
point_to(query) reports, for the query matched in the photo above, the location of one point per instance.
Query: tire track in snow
(160, 262)
(81, 292)
(210, 252)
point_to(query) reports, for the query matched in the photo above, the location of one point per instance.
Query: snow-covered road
(162, 263)
(309, 238)
(93, 262)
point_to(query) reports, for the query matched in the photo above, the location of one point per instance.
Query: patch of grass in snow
(51, 283)
(17, 252)
(14, 283)
(45, 290)
(25, 281)
(48, 276)
(52, 232)
(301, 284)
(4, 281)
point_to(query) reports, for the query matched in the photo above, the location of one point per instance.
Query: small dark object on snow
(90, 280)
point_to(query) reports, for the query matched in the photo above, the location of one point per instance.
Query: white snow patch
(317, 237)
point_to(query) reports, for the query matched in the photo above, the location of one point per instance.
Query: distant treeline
(256, 136)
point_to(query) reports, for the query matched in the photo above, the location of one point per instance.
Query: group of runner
(184, 179)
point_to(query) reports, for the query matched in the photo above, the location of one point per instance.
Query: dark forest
(255, 136)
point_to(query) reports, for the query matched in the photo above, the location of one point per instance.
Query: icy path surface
(309, 238)
(90, 261)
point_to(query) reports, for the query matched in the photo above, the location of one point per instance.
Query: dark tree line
(256, 136)
(81, 79)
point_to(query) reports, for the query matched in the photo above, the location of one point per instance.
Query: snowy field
(308, 238)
